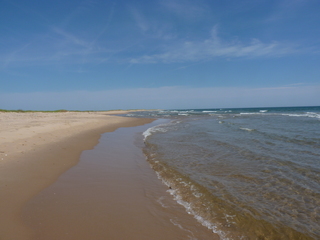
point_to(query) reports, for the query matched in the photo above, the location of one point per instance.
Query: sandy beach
(83, 175)
(36, 148)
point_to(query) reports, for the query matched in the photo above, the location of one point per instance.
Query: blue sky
(100, 54)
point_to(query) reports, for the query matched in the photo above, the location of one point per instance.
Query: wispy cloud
(296, 84)
(106, 25)
(58, 42)
(215, 47)
(71, 38)
(59, 46)
(11, 57)
(142, 23)
(151, 27)
(56, 46)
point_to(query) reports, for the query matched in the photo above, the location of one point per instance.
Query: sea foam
(159, 128)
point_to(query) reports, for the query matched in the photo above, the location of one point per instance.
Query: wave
(247, 129)
(307, 114)
(159, 128)
(152, 130)
(251, 113)
(179, 187)
(218, 210)
(222, 217)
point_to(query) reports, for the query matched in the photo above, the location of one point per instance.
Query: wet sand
(50, 188)
(112, 193)
(35, 149)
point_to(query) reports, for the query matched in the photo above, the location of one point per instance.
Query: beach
(170, 174)
(36, 148)
(55, 183)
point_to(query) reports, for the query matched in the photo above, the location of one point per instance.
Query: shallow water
(112, 193)
(244, 173)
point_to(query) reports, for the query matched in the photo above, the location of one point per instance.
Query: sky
(158, 54)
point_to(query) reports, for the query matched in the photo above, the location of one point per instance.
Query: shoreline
(36, 148)
(112, 193)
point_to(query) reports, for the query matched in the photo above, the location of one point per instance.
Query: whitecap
(247, 129)
(251, 113)
(307, 114)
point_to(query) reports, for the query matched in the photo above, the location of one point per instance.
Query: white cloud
(215, 47)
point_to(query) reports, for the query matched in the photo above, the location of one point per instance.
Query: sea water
(244, 173)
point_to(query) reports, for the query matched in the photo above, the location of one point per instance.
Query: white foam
(159, 200)
(180, 111)
(229, 218)
(190, 211)
(200, 219)
(179, 226)
(159, 128)
(307, 114)
(150, 131)
(197, 195)
(250, 113)
(247, 129)
(313, 115)
(263, 111)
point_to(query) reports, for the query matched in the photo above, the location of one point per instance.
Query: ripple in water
(245, 176)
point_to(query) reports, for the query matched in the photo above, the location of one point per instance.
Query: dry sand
(36, 148)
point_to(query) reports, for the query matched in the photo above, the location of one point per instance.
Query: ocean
(244, 173)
